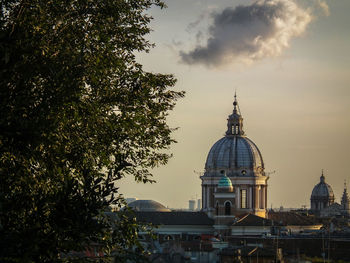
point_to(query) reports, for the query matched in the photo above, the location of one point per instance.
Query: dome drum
(242, 172)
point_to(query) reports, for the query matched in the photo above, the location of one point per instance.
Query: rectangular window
(243, 198)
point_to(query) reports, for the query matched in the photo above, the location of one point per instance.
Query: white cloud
(249, 33)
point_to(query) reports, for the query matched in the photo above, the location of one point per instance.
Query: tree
(77, 114)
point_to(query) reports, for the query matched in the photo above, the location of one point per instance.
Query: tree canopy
(78, 112)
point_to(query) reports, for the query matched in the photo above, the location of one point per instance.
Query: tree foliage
(77, 114)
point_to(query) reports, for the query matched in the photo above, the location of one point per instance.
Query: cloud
(249, 33)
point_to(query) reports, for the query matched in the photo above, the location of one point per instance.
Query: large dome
(148, 206)
(234, 152)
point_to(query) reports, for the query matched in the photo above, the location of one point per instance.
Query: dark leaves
(77, 114)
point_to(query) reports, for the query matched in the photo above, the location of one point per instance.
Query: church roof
(291, 219)
(174, 218)
(253, 220)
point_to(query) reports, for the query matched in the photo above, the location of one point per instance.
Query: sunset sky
(289, 62)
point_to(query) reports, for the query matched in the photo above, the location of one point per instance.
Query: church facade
(234, 181)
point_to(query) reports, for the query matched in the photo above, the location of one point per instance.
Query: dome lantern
(235, 121)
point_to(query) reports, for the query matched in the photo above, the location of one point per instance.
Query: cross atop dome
(235, 121)
(322, 179)
(235, 105)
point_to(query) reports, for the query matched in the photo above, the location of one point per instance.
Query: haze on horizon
(289, 61)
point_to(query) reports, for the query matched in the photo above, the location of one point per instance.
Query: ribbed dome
(234, 152)
(148, 206)
(322, 190)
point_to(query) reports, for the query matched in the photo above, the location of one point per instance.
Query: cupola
(235, 121)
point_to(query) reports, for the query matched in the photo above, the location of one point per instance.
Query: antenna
(269, 173)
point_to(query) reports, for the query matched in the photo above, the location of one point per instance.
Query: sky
(289, 62)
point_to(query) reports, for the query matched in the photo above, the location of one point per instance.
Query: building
(294, 222)
(233, 221)
(234, 185)
(237, 158)
(181, 236)
(148, 206)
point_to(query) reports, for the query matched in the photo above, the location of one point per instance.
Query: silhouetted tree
(77, 114)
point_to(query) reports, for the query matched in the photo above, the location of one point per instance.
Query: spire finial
(344, 184)
(322, 177)
(235, 103)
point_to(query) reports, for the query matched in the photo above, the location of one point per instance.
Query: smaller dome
(225, 182)
(148, 206)
(322, 190)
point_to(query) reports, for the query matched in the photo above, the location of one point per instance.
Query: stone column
(250, 197)
(203, 201)
(256, 201)
(207, 196)
(262, 196)
(265, 189)
(238, 197)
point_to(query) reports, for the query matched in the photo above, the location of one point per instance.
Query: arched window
(227, 208)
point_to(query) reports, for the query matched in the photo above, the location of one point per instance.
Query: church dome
(322, 190)
(234, 153)
(148, 206)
